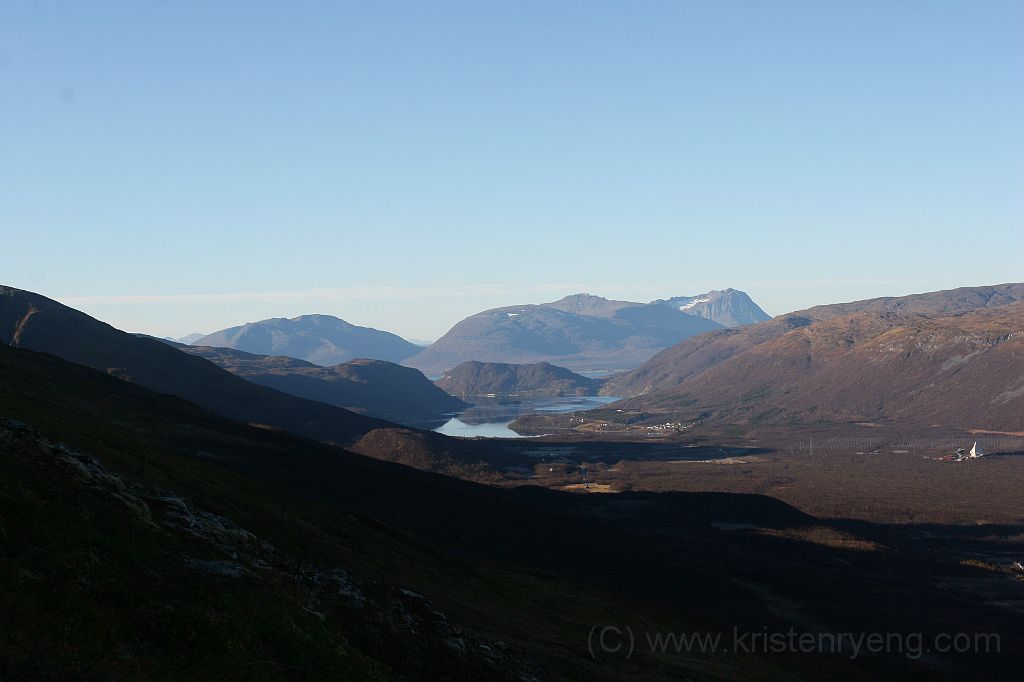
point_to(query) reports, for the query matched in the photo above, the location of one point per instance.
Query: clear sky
(173, 167)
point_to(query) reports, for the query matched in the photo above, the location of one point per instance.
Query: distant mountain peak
(188, 339)
(317, 338)
(318, 318)
(729, 307)
(582, 296)
(588, 304)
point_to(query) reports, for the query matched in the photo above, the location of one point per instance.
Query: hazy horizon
(366, 303)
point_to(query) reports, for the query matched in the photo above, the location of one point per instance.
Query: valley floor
(882, 476)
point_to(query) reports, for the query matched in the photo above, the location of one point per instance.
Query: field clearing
(880, 477)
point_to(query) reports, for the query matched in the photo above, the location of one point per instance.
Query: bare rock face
(729, 308)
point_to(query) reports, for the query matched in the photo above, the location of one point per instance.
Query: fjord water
(490, 417)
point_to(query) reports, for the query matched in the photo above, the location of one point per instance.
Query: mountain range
(582, 332)
(373, 387)
(950, 358)
(319, 339)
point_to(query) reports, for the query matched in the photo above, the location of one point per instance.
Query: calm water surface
(490, 418)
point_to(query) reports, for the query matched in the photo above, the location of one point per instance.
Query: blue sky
(173, 167)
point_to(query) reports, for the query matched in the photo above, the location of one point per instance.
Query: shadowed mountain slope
(472, 379)
(37, 323)
(373, 387)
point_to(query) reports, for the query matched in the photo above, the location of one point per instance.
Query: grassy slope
(85, 580)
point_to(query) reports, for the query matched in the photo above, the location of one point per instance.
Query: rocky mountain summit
(729, 308)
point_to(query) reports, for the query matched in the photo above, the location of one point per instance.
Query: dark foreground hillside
(126, 581)
(146, 538)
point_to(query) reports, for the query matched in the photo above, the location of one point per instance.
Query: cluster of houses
(669, 426)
